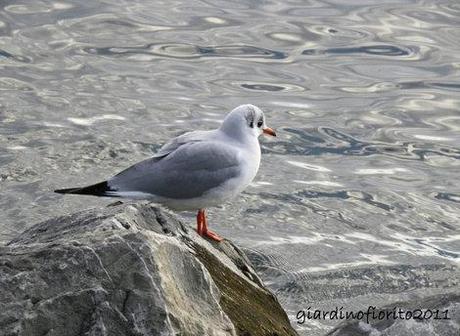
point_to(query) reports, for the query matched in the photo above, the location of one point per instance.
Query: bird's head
(246, 120)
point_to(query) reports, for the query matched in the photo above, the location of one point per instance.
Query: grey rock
(130, 269)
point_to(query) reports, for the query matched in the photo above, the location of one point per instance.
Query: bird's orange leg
(206, 232)
(199, 222)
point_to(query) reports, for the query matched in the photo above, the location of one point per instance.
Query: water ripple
(190, 51)
(18, 58)
(260, 86)
(318, 142)
(448, 197)
(379, 50)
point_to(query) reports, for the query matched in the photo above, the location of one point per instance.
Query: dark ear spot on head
(250, 116)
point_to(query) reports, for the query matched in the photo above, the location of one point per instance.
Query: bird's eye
(260, 123)
(251, 124)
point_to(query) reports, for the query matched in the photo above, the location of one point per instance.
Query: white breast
(250, 162)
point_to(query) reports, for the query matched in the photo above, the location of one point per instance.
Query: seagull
(196, 170)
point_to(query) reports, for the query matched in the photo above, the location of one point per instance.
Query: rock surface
(131, 269)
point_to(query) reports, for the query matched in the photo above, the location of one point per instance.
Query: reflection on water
(385, 50)
(189, 51)
(357, 199)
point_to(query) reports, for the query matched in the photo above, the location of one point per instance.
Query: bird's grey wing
(188, 172)
(175, 143)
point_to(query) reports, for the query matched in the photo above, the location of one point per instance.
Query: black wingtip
(66, 191)
(98, 189)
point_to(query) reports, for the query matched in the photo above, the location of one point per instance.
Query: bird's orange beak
(269, 131)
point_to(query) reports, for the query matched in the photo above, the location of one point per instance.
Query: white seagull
(196, 170)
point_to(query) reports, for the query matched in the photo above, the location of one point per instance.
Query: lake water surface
(357, 201)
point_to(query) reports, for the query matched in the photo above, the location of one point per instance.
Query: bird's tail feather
(98, 189)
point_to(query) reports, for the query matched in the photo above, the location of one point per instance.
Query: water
(357, 200)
